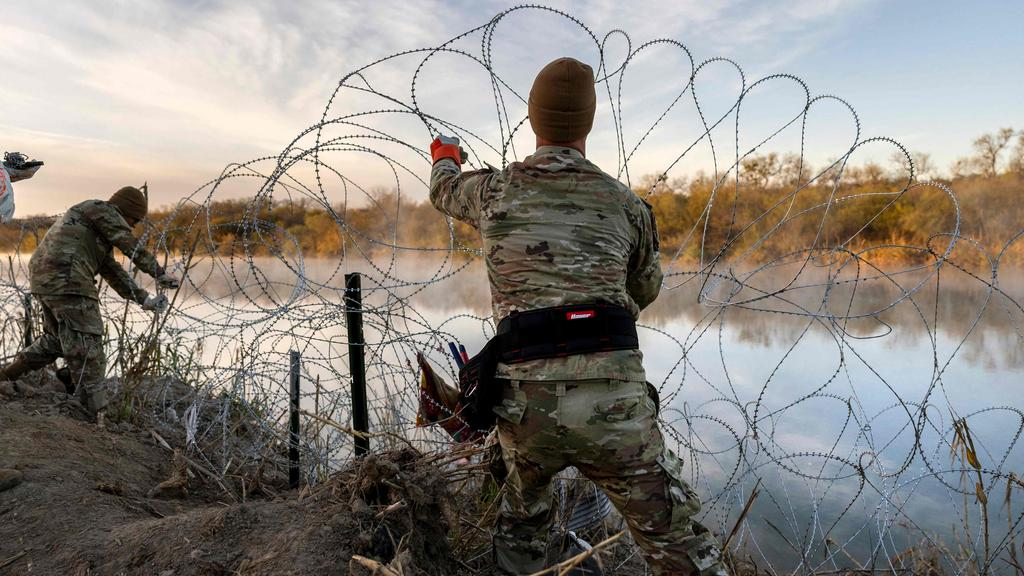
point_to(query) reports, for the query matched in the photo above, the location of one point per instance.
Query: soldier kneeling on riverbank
(63, 273)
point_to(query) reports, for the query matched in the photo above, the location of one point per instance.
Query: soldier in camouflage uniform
(556, 231)
(63, 273)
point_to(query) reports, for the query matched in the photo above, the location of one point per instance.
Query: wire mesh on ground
(832, 372)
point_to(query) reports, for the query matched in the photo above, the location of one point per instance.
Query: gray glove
(156, 304)
(168, 280)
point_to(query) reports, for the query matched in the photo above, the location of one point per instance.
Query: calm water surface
(838, 396)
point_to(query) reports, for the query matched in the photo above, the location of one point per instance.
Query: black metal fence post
(294, 472)
(29, 336)
(357, 360)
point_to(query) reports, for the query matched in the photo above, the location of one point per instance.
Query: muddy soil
(88, 506)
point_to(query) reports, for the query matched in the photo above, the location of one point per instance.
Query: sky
(170, 92)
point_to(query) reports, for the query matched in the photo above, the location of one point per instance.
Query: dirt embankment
(115, 500)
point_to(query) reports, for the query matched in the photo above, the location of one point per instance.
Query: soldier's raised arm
(453, 192)
(109, 223)
(643, 279)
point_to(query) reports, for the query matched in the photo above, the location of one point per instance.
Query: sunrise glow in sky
(112, 93)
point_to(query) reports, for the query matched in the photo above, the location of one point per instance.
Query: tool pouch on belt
(478, 392)
(543, 333)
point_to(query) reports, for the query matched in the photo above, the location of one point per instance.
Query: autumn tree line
(773, 206)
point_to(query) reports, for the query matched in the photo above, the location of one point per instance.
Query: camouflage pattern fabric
(78, 247)
(557, 230)
(608, 430)
(72, 329)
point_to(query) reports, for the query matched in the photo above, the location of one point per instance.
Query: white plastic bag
(6, 196)
(15, 167)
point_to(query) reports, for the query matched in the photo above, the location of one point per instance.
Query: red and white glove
(448, 147)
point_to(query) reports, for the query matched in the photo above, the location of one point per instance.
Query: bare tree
(794, 170)
(651, 184)
(922, 164)
(871, 173)
(963, 167)
(1016, 164)
(760, 170)
(989, 147)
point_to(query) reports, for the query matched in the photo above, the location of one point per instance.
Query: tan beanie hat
(562, 101)
(131, 202)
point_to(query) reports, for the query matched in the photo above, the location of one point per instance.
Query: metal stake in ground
(357, 360)
(29, 337)
(293, 436)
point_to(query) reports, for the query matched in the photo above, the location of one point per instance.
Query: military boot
(9, 478)
(563, 545)
(95, 400)
(64, 375)
(14, 370)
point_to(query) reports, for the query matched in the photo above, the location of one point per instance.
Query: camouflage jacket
(79, 246)
(557, 230)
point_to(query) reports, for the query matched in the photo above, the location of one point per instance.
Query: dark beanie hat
(562, 101)
(131, 202)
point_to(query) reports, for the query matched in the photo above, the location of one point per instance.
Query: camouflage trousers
(72, 329)
(607, 429)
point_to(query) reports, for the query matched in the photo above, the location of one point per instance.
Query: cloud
(182, 83)
(184, 87)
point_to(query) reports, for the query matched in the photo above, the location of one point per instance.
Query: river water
(835, 390)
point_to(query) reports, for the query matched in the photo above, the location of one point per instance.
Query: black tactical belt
(536, 334)
(565, 331)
